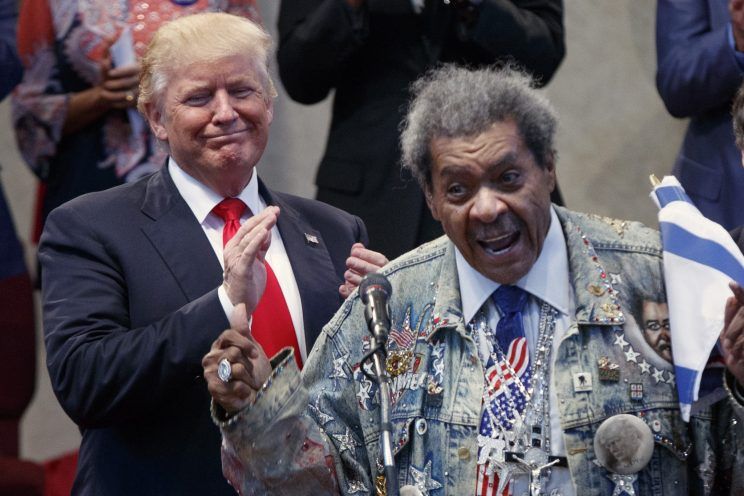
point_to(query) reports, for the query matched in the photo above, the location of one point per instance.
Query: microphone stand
(377, 355)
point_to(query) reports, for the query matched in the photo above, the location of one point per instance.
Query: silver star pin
(631, 355)
(615, 278)
(356, 487)
(620, 340)
(422, 479)
(623, 484)
(346, 441)
(658, 375)
(645, 367)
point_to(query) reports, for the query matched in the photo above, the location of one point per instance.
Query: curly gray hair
(452, 101)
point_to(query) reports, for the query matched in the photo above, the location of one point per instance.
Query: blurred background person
(17, 340)
(70, 110)
(369, 51)
(700, 65)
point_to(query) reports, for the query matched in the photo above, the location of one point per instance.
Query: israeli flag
(700, 259)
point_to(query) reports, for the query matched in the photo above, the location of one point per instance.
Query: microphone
(375, 290)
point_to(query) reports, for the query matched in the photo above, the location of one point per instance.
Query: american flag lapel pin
(311, 239)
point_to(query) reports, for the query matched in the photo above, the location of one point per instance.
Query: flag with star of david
(700, 259)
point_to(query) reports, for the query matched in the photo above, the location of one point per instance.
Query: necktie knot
(510, 299)
(230, 209)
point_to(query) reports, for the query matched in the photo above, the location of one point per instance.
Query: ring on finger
(224, 370)
(129, 96)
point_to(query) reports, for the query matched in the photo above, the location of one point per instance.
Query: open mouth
(500, 244)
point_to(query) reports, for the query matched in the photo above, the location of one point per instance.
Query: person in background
(139, 280)
(74, 113)
(368, 52)
(700, 65)
(507, 345)
(17, 326)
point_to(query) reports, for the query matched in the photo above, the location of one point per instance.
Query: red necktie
(272, 324)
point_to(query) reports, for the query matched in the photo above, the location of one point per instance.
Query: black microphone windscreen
(370, 281)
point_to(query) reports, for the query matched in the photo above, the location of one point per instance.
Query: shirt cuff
(739, 56)
(227, 305)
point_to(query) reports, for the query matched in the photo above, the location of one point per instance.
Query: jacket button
(463, 454)
(421, 426)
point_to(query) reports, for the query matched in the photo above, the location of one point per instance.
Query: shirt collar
(547, 279)
(201, 199)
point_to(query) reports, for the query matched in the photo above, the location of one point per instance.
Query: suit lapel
(311, 264)
(179, 239)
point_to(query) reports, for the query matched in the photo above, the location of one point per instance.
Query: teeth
(499, 244)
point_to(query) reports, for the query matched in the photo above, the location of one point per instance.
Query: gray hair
(202, 37)
(452, 101)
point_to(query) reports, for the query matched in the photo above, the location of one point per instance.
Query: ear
(155, 118)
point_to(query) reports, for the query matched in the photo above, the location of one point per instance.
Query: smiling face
(493, 200)
(215, 117)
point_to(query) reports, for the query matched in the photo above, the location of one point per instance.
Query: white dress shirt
(548, 280)
(201, 200)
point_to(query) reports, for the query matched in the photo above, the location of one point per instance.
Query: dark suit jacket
(697, 77)
(130, 308)
(370, 59)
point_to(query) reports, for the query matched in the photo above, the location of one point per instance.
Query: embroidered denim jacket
(318, 433)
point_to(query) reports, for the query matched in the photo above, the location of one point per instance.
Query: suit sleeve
(318, 38)
(696, 68)
(103, 370)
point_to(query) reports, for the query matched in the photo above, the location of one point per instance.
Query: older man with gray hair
(507, 348)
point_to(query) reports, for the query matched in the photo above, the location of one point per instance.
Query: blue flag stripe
(685, 383)
(701, 250)
(668, 194)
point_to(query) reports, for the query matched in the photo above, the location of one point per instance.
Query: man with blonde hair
(139, 280)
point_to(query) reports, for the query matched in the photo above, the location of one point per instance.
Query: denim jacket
(318, 433)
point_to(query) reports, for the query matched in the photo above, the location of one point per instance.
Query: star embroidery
(356, 487)
(645, 367)
(658, 375)
(323, 418)
(422, 479)
(363, 394)
(338, 368)
(623, 484)
(620, 341)
(671, 377)
(346, 441)
(631, 355)
(615, 278)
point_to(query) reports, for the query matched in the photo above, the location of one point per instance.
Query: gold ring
(129, 97)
